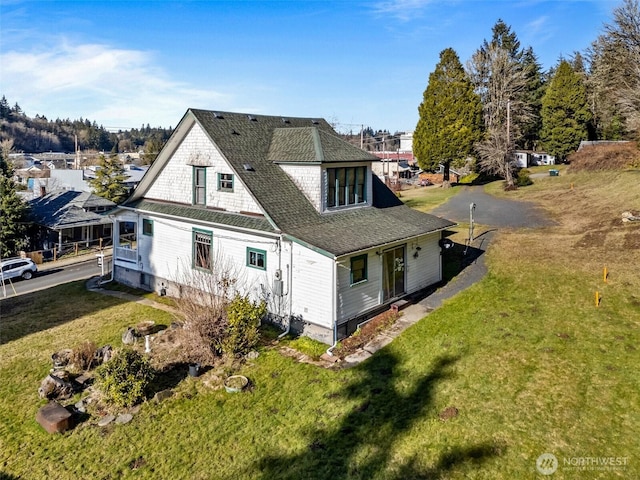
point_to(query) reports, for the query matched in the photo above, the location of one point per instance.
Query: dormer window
(346, 186)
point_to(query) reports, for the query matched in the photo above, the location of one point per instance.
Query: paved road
(492, 211)
(50, 276)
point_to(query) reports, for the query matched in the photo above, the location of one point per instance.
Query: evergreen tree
(450, 116)
(565, 113)
(5, 109)
(109, 180)
(151, 148)
(534, 91)
(13, 211)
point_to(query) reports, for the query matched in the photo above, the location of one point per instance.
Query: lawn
(528, 362)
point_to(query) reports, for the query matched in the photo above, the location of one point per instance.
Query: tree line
(502, 101)
(39, 134)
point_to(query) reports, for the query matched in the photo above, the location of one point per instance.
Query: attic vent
(252, 118)
(217, 115)
(233, 132)
(285, 120)
(315, 122)
(248, 167)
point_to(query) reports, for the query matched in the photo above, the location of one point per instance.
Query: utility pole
(77, 162)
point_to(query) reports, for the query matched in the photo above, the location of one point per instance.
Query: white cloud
(114, 87)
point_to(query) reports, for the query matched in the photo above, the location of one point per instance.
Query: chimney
(43, 190)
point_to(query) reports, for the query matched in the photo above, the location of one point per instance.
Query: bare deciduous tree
(615, 72)
(501, 81)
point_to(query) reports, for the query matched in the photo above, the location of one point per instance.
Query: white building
(294, 209)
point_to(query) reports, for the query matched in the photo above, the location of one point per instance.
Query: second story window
(225, 182)
(346, 186)
(199, 186)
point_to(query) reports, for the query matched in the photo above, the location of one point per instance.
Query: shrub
(243, 322)
(124, 379)
(523, 178)
(83, 355)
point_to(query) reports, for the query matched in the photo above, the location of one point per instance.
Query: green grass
(426, 199)
(524, 355)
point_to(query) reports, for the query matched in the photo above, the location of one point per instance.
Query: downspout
(334, 308)
(113, 254)
(290, 282)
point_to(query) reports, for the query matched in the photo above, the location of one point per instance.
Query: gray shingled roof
(263, 142)
(65, 209)
(204, 214)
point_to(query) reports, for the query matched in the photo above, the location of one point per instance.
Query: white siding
(168, 254)
(420, 272)
(353, 300)
(425, 270)
(312, 290)
(308, 178)
(175, 182)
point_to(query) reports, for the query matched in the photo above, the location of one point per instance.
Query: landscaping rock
(61, 358)
(124, 418)
(56, 386)
(129, 336)
(84, 380)
(252, 355)
(54, 418)
(357, 357)
(81, 407)
(162, 395)
(106, 420)
(329, 358)
(103, 354)
(377, 343)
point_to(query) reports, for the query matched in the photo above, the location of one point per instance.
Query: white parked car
(17, 267)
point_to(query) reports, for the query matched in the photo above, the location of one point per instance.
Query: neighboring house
(528, 158)
(65, 217)
(295, 209)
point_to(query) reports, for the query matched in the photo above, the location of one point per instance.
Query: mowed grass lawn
(527, 359)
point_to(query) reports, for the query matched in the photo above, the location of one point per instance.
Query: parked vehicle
(17, 267)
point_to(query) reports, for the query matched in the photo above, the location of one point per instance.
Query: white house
(528, 158)
(294, 208)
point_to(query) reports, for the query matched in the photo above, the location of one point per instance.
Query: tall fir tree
(450, 117)
(534, 91)
(109, 180)
(565, 112)
(13, 211)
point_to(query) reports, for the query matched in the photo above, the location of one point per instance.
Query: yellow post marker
(605, 274)
(571, 185)
(597, 299)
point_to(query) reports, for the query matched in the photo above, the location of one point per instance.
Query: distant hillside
(606, 156)
(39, 134)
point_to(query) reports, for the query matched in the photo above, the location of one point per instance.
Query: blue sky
(129, 63)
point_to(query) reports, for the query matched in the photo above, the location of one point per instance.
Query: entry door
(393, 273)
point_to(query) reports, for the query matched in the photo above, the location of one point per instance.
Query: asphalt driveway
(492, 211)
